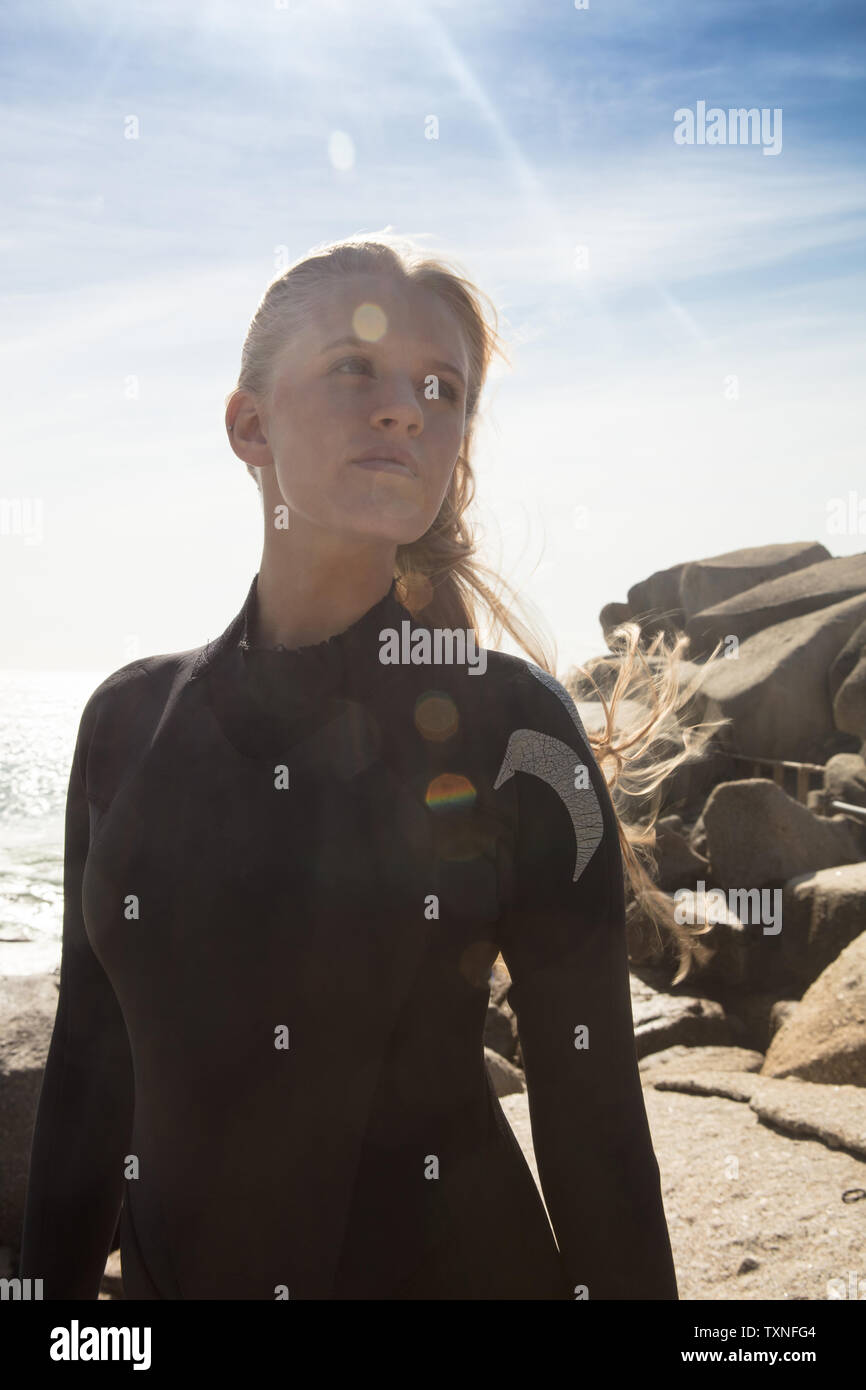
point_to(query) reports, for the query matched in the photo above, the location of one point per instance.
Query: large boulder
(822, 913)
(668, 597)
(775, 692)
(822, 585)
(655, 602)
(847, 683)
(663, 1019)
(825, 1037)
(28, 1006)
(705, 583)
(757, 835)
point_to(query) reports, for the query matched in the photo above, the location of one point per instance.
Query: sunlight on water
(39, 717)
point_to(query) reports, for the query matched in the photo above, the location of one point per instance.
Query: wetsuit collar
(358, 644)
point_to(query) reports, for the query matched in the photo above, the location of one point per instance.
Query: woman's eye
(353, 361)
(445, 387)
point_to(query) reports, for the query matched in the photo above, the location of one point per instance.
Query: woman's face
(401, 386)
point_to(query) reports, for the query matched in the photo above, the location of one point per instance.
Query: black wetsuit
(287, 876)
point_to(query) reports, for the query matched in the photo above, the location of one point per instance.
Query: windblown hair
(441, 575)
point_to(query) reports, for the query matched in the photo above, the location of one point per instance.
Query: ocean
(39, 716)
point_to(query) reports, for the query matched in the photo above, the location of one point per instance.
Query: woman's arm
(564, 943)
(84, 1117)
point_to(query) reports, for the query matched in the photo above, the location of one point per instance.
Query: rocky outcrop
(756, 835)
(829, 583)
(663, 1018)
(770, 805)
(847, 683)
(822, 913)
(669, 597)
(753, 687)
(825, 1038)
(706, 583)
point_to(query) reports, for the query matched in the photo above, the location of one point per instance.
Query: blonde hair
(441, 574)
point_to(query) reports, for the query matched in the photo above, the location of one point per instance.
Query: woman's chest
(339, 867)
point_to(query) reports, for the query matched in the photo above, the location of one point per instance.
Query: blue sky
(265, 130)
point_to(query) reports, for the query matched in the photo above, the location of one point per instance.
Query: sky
(684, 321)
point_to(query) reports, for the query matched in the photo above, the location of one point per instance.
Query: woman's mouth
(385, 465)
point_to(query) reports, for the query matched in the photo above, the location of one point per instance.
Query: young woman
(293, 856)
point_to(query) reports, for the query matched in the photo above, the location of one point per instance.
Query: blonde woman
(293, 856)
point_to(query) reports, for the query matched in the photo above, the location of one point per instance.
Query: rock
(698, 837)
(758, 835)
(823, 585)
(500, 982)
(822, 913)
(733, 1085)
(688, 786)
(506, 1078)
(500, 1031)
(705, 583)
(28, 1006)
(664, 1019)
(847, 684)
(678, 864)
(655, 602)
(836, 1115)
(824, 1040)
(781, 1011)
(845, 779)
(611, 616)
(696, 1061)
(759, 1011)
(754, 689)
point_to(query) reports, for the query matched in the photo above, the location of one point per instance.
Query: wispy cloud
(146, 257)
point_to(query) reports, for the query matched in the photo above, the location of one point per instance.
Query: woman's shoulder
(535, 697)
(135, 676)
(132, 699)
